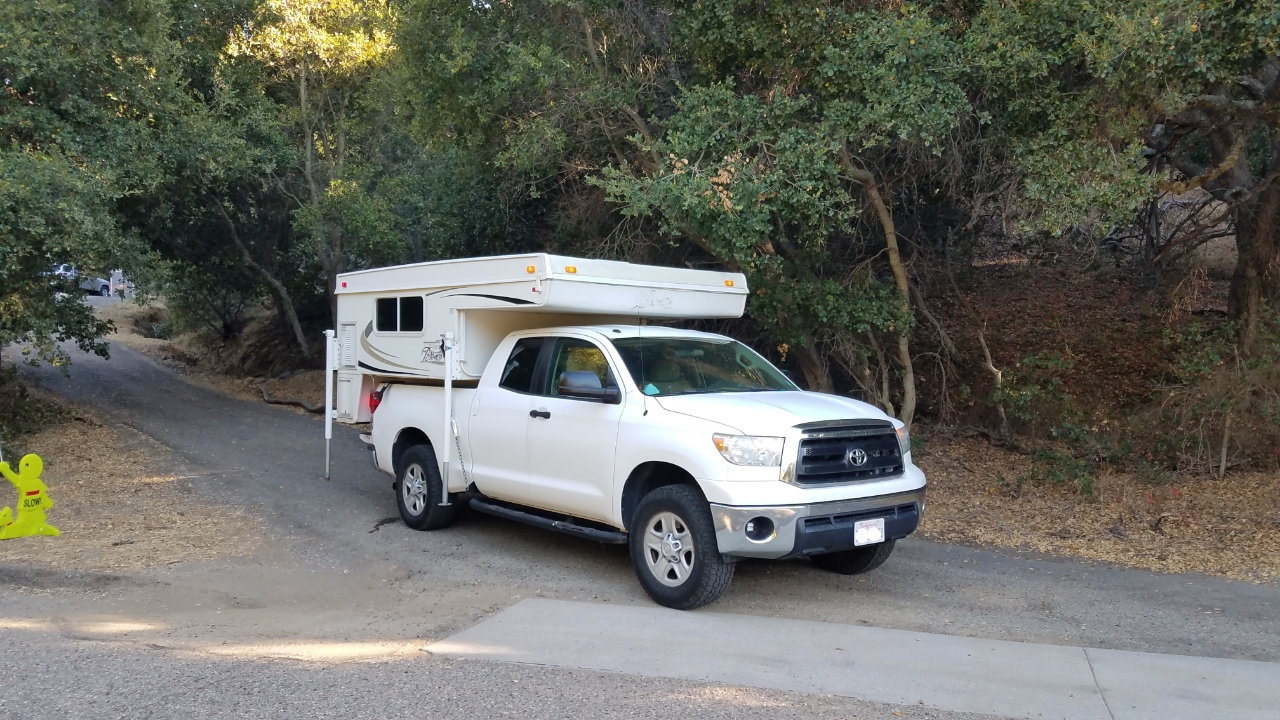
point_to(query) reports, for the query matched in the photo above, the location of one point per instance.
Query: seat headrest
(664, 371)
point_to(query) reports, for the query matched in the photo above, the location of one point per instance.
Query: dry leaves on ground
(1225, 527)
(115, 510)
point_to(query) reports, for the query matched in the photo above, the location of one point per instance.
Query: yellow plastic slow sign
(33, 501)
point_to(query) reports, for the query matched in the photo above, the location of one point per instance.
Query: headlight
(904, 441)
(749, 450)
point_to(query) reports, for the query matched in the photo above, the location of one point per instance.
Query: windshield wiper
(708, 391)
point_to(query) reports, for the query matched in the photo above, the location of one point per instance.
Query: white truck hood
(769, 413)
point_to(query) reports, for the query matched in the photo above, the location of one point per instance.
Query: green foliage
(23, 413)
(1078, 86)
(76, 139)
(1057, 467)
(252, 149)
(1032, 391)
(1082, 453)
(212, 298)
(756, 168)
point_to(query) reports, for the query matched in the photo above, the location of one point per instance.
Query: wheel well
(649, 477)
(407, 438)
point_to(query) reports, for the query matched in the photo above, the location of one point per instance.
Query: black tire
(702, 575)
(857, 560)
(419, 499)
(104, 290)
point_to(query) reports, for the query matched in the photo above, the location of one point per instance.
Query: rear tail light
(375, 399)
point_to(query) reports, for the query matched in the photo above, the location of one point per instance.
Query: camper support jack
(447, 341)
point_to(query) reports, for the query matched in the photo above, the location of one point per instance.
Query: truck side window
(517, 374)
(577, 355)
(386, 315)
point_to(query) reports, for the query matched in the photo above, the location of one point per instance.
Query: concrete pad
(891, 666)
(1147, 686)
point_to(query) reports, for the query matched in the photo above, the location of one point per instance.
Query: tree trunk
(284, 302)
(816, 373)
(872, 189)
(1256, 281)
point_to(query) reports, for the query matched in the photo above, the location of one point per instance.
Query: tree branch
(279, 288)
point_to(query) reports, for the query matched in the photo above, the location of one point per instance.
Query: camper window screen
(408, 319)
(411, 314)
(386, 321)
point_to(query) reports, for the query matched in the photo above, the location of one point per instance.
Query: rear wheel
(674, 551)
(104, 290)
(418, 490)
(857, 560)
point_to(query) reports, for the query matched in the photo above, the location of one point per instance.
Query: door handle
(544, 414)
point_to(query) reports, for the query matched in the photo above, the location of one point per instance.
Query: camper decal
(650, 299)
(386, 358)
(432, 353)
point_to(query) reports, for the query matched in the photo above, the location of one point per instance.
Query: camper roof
(536, 267)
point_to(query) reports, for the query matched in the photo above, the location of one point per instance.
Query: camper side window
(517, 375)
(386, 321)
(411, 314)
(399, 314)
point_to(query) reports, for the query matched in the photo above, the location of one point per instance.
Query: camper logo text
(433, 353)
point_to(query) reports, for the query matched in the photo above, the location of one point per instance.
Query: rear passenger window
(399, 314)
(517, 375)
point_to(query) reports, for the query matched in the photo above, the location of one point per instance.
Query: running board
(612, 537)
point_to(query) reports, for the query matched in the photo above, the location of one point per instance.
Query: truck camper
(537, 388)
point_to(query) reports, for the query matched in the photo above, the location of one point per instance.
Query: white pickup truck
(688, 446)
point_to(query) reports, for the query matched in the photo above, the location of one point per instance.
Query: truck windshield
(684, 366)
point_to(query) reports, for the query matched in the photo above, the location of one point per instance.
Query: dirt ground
(1228, 527)
(115, 511)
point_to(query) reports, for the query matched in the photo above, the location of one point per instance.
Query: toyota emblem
(857, 457)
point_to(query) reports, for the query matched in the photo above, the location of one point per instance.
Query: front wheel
(857, 560)
(418, 489)
(674, 550)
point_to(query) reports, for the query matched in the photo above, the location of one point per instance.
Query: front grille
(830, 455)
(846, 520)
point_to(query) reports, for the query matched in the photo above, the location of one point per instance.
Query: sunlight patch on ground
(24, 624)
(321, 650)
(451, 647)
(725, 695)
(115, 627)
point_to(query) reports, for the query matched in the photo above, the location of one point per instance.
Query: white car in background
(92, 285)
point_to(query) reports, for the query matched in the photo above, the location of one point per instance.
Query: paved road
(327, 584)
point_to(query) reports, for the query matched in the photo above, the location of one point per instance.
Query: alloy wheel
(668, 548)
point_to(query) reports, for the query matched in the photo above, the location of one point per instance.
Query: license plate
(868, 532)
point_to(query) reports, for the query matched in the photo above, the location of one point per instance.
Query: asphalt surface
(327, 575)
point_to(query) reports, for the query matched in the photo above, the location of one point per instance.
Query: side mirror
(585, 385)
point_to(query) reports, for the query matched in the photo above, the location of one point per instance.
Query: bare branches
(943, 337)
(282, 294)
(1205, 178)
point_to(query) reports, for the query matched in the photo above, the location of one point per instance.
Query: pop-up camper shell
(404, 323)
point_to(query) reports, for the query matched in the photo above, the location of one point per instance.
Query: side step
(613, 537)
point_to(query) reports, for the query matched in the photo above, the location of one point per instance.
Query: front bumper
(801, 530)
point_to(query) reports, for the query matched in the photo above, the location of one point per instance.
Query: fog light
(759, 529)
